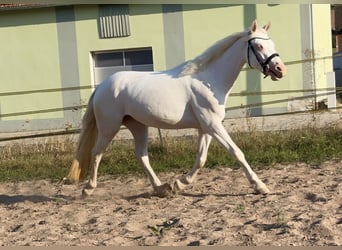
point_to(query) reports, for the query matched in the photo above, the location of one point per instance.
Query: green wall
(224, 20)
(146, 31)
(29, 61)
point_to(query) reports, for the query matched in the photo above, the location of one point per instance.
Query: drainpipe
(313, 56)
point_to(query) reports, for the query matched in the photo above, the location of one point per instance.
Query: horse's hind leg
(203, 145)
(100, 146)
(140, 134)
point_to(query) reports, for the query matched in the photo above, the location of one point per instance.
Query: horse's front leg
(217, 130)
(203, 145)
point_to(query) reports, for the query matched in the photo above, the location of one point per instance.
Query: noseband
(263, 64)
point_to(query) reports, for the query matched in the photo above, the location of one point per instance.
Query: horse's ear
(254, 26)
(267, 26)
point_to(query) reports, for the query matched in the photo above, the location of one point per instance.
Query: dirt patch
(219, 209)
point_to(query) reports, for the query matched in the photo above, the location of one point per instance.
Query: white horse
(191, 95)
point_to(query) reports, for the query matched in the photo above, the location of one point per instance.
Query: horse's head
(261, 53)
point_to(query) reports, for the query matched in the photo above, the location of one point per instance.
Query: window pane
(138, 57)
(108, 59)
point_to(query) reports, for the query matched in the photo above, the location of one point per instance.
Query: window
(113, 21)
(109, 59)
(107, 63)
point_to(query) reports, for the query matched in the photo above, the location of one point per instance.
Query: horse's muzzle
(276, 70)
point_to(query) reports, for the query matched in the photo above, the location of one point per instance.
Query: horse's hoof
(178, 186)
(67, 181)
(87, 192)
(262, 189)
(163, 190)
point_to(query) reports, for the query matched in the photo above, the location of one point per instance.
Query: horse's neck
(223, 72)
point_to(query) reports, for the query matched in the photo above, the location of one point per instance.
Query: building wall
(29, 61)
(50, 48)
(146, 31)
(322, 46)
(225, 20)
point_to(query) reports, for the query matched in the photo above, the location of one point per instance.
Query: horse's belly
(162, 113)
(157, 123)
(159, 117)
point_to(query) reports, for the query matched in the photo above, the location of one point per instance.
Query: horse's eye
(260, 47)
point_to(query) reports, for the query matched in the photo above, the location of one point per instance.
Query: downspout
(313, 57)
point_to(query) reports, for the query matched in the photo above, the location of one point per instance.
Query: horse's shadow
(13, 199)
(202, 195)
(148, 195)
(8, 199)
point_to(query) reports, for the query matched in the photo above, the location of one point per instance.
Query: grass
(52, 158)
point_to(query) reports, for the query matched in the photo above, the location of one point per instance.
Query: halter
(263, 64)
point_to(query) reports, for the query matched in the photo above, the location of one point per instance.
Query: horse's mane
(210, 54)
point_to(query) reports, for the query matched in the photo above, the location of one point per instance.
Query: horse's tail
(86, 141)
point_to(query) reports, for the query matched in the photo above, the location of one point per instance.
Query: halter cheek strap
(263, 64)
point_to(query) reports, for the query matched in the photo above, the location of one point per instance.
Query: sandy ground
(219, 209)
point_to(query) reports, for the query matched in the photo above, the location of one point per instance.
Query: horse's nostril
(279, 69)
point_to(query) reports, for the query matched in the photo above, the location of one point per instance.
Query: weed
(281, 218)
(52, 158)
(240, 208)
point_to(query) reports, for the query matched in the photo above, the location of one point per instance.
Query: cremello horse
(192, 95)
